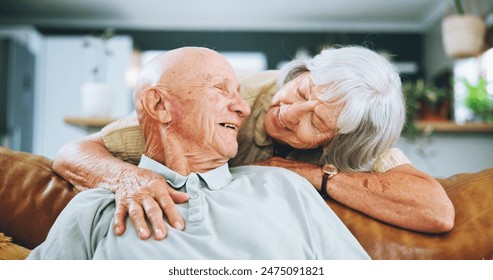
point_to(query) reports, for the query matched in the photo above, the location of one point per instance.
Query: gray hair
(370, 89)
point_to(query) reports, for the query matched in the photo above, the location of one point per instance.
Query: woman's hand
(313, 173)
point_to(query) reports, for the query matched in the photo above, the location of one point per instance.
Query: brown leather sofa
(32, 196)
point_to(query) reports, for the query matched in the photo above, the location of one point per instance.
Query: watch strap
(323, 187)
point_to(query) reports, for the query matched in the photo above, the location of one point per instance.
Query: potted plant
(478, 101)
(424, 102)
(463, 33)
(96, 94)
(427, 102)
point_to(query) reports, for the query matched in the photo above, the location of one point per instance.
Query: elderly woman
(333, 119)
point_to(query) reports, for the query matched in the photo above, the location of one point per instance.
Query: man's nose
(240, 106)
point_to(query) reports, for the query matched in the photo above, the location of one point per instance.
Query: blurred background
(67, 68)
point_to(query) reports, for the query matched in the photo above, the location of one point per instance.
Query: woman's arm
(87, 163)
(402, 196)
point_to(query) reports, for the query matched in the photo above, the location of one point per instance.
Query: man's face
(212, 109)
(297, 117)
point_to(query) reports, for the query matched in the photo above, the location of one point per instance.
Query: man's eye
(219, 87)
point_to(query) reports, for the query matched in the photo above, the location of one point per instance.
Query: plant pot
(97, 99)
(463, 35)
(440, 113)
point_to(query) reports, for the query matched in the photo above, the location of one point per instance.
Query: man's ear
(156, 105)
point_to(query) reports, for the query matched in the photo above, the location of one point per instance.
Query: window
(471, 70)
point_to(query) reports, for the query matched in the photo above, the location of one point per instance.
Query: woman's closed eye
(302, 95)
(315, 128)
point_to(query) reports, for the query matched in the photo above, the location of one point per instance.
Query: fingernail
(179, 225)
(158, 233)
(118, 230)
(142, 232)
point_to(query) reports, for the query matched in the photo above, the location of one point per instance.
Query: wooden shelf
(450, 126)
(88, 121)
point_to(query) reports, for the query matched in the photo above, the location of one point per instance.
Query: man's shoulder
(285, 183)
(268, 173)
(257, 169)
(98, 197)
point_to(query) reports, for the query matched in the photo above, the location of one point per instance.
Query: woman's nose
(291, 114)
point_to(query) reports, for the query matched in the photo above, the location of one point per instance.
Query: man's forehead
(214, 81)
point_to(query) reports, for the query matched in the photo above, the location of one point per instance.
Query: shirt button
(194, 211)
(194, 195)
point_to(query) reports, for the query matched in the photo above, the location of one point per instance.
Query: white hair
(369, 88)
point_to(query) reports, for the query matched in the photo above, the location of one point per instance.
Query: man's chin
(231, 154)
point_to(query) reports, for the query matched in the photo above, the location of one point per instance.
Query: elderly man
(190, 110)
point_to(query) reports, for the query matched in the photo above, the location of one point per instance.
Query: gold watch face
(330, 169)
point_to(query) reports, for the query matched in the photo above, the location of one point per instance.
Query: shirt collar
(215, 179)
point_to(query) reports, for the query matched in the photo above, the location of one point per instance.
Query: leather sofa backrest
(31, 196)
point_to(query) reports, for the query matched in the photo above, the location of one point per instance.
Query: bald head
(178, 66)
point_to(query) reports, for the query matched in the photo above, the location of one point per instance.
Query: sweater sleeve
(124, 139)
(390, 159)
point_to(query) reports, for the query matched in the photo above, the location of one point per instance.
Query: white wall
(65, 66)
(34, 41)
(446, 154)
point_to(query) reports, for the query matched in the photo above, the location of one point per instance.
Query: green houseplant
(463, 33)
(478, 101)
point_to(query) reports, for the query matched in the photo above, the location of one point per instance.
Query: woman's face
(298, 118)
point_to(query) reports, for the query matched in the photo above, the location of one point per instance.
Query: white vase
(97, 99)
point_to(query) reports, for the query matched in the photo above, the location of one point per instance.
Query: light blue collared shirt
(248, 212)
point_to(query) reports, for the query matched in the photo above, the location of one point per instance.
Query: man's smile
(230, 126)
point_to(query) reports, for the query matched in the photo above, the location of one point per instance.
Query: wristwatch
(329, 171)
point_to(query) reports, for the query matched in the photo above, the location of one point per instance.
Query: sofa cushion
(471, 237)
(31, 196)
(11, 251)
